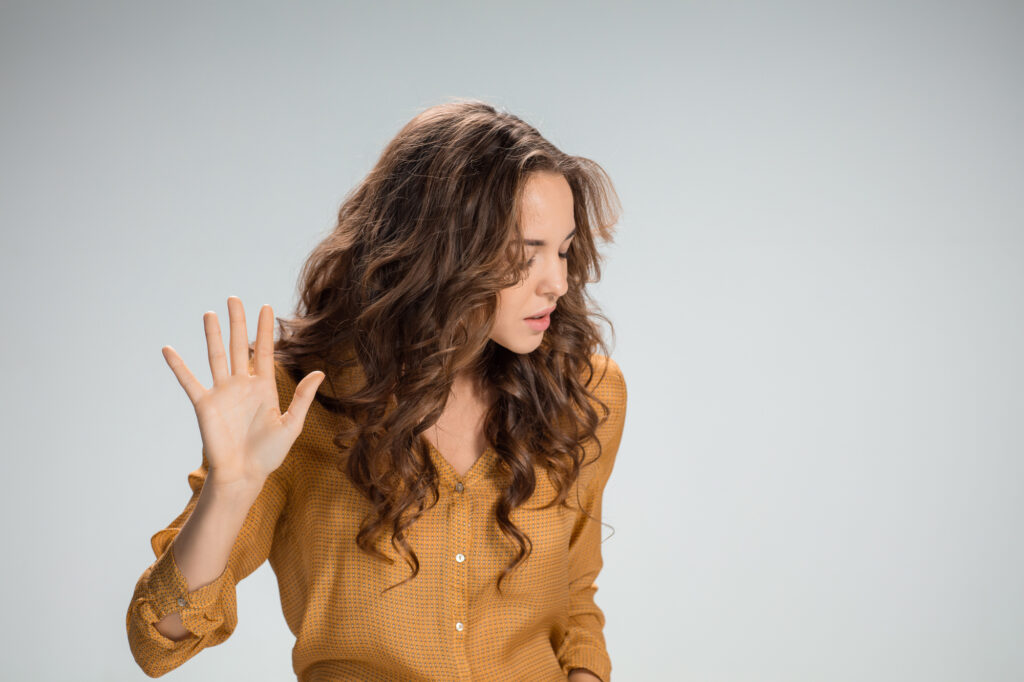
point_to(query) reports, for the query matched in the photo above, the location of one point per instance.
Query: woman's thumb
(305, 392)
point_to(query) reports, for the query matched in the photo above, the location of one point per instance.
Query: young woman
(430, 497)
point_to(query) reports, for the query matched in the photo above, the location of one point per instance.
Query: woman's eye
(563, 256)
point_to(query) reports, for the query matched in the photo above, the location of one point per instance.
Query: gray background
(816, 289)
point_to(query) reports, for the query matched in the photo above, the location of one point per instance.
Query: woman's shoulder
(315, 443)
(607, 377)
(286, 384)
(607, 387)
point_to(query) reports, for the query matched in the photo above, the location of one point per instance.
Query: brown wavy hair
(406, 285)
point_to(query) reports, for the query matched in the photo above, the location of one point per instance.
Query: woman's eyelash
(563, 256)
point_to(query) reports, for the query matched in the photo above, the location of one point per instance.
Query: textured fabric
(447, 623)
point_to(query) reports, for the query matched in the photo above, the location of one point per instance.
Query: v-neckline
(448, 473)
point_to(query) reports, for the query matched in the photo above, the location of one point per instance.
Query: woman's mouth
(539, 324)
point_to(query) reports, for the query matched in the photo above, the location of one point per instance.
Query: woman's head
(548, 226)
(430, 272)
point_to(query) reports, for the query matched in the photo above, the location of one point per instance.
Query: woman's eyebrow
(541, 242)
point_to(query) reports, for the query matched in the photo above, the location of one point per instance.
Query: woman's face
(548, 226)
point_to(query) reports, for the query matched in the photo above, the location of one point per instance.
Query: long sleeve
(584, 645)
(208, 612)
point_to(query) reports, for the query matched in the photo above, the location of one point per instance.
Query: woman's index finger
(264, 351)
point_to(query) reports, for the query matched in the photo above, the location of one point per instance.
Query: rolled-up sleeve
(209, 612)
(583, 645)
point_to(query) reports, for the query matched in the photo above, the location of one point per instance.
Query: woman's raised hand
(245, 436)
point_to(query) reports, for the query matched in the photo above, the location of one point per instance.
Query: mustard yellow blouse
(447, 623)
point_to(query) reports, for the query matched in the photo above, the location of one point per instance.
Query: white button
(181, 601)
(458, 626)
(460, 558)
(459, 486)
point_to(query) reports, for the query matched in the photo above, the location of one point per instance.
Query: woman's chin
(521, 344)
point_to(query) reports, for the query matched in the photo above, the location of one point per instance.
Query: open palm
(244, 434)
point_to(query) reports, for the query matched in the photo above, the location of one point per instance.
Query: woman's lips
(539, 324)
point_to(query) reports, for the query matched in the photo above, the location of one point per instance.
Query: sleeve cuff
(593, 659)
(200, 610)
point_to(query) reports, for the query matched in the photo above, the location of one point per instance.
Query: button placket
(459, 537)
